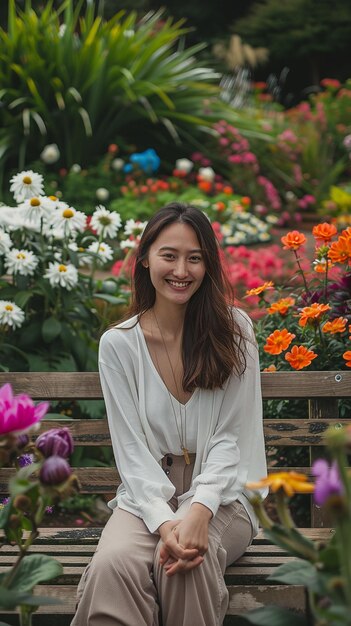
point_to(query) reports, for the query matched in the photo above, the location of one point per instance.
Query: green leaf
(295, 573)
(11, 598)
(4, 514)
(275, 616)
(108, 298)
(34, 569)
(51, 329)
(22, 297)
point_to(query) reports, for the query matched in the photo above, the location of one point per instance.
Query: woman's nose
(180, 268)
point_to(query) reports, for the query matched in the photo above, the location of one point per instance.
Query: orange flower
(281, 306)
(324, 232)
(260, 289)
(347, 357)
(313, 312)
(340, 250)
(228, 190)
(335, 326)
(278, 341)
(290, 482)
(293, 240)
(270, 368)
(321, 265)
(300, 357)
(245, 201)
(204, 185)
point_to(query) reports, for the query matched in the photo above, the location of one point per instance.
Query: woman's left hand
(191, 532)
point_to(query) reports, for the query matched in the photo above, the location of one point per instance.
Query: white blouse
(223, 428)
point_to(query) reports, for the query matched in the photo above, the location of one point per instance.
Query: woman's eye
(195, 259)
(168, 256)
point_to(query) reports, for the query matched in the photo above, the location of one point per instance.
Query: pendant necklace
(181, 434)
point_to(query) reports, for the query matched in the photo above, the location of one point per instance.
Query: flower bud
(54, 471)
(22, 441)
(55, 442)
(22, 503)
(14, 522)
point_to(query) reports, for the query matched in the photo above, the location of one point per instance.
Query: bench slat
(86, 385)
(291, 432)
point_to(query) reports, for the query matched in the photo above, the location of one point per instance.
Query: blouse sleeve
(236, 452)
(147, 487)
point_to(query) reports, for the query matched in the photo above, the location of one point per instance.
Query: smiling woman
(186, 429)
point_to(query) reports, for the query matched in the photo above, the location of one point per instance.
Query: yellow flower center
(53, 198)
(102, 248)
(35, 202)
(105, 220)
(62, 268)
(67, 213)
(27, 180)
(9, 307)
(21, 256)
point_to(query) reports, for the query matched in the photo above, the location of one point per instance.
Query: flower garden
(118, 121)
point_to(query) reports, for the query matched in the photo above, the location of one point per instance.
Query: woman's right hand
(170, 548)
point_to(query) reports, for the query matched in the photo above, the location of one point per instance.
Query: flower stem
(302, 273)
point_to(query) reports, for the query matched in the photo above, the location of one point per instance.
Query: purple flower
(25, 459)
(328, 482)
(57, 442)
(18, 413)
(54, 471)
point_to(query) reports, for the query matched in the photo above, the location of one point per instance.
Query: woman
(181, 384)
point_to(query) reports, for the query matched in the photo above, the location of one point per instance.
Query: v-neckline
(148, 354)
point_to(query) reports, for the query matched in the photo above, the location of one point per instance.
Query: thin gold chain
(181, 433)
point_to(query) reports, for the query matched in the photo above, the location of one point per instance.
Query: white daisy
(102, 194)
(23, 262)
(50, 154)
(117, 164)
(134, 228)
(26, 184)
(34, 210)
(103, 250)
(184, 165)
(128, 243)
(104, 222)
(62, 275)
(68, 220)
(11, 218)
(5, 242)
(11, 314)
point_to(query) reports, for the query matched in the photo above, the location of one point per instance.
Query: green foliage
(80, 82)
(302, 29)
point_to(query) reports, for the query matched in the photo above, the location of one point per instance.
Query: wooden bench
(246, 580)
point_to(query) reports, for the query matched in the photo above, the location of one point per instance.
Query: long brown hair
(212, 339)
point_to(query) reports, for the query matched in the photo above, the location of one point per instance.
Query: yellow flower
(289, 482)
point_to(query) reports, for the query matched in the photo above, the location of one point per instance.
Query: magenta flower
(328, 482)
(18, 413)
(54, 471)
(57, 442)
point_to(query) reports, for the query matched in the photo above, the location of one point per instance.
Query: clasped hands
(185, 541)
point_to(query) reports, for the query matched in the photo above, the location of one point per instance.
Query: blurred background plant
(324, 569)
(42, 478)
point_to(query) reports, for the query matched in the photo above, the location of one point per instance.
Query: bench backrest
(321, 389)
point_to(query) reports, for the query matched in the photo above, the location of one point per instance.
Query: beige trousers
(124, 584)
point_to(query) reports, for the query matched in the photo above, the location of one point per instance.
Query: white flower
(11, 314)
(11, 218)
(102, 194)
(117, 164)
(67, 220)
(103, 250)
(26, 184)
(62, 30)
(76, 168)
(22, 262)
(128, 243)
(133, 227)
(50, 153)
(184, 165)
(105, 222)
(34, 210)
(207, 173)
(62, 275)
(5, 242)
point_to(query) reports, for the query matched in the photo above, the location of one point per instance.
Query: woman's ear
(145, 263)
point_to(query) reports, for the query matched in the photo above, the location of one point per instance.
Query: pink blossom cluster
(271, 192)
(289, 143)
(235, 147)
(306, 201)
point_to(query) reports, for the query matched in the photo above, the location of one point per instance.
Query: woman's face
(176, 264)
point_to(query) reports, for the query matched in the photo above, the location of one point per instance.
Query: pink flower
(18, 413)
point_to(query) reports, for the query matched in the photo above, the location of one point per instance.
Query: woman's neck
(169, 320)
